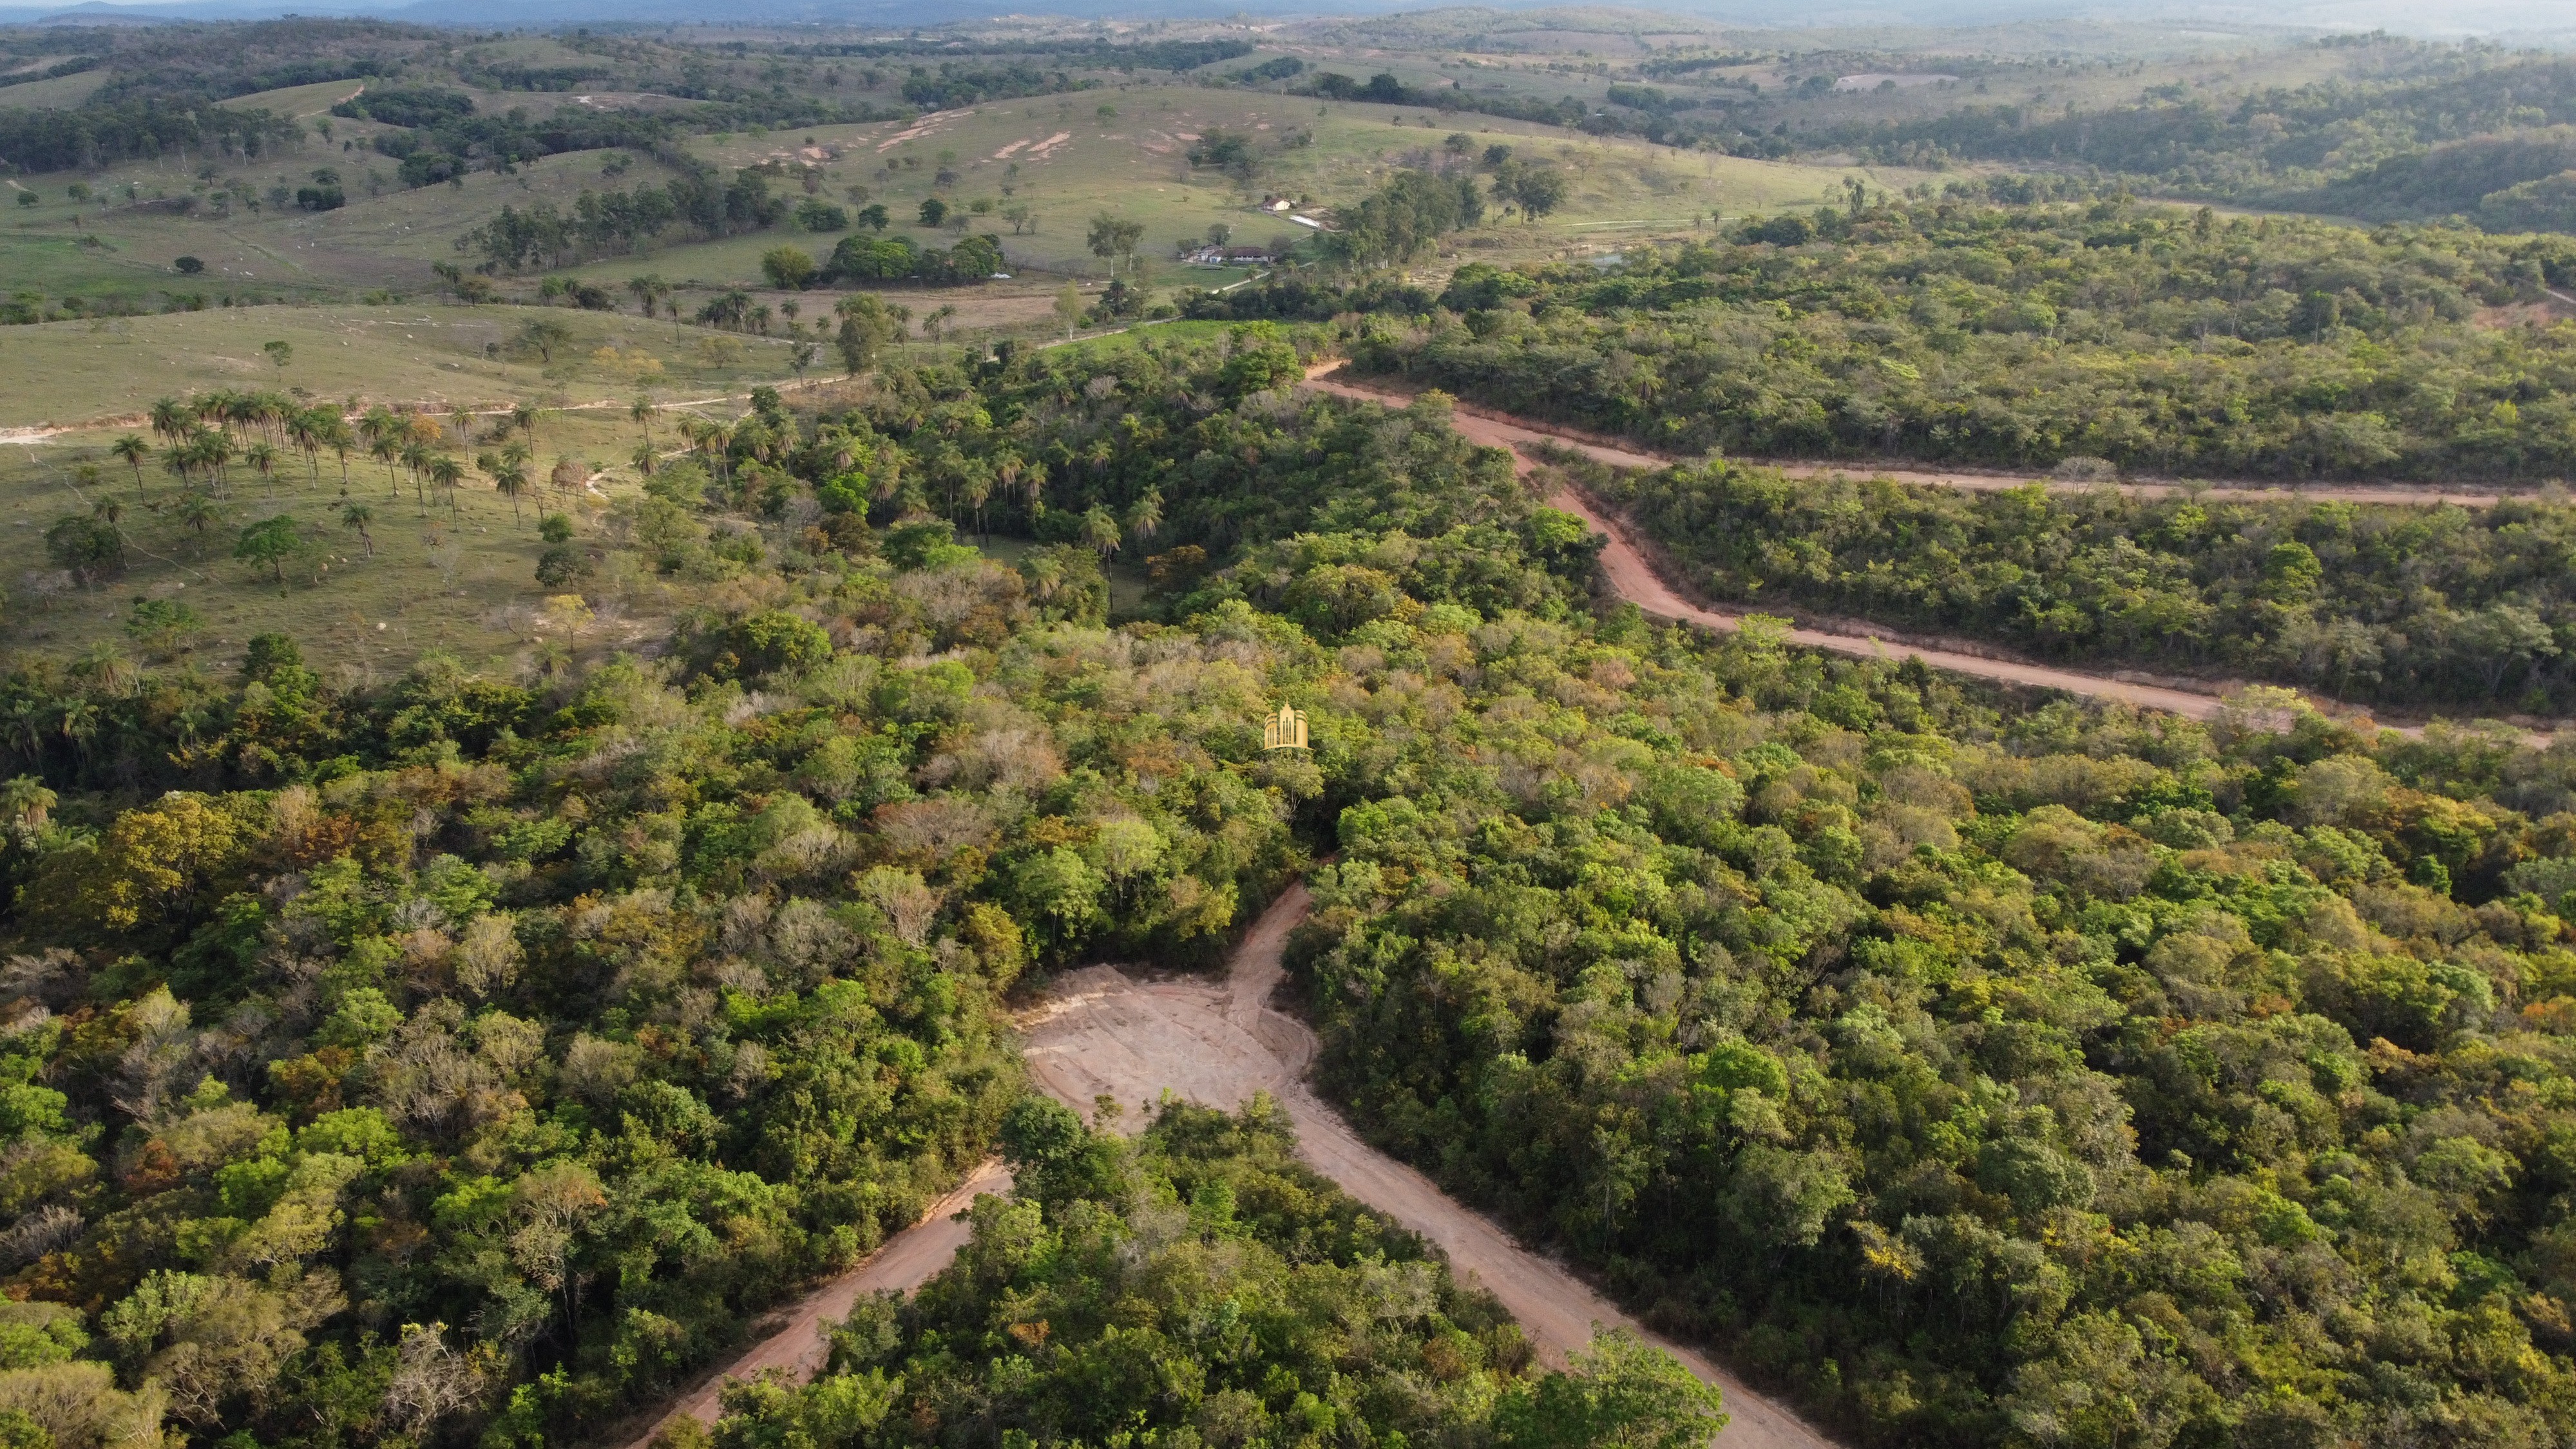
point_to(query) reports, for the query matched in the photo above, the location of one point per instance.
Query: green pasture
(67, 373)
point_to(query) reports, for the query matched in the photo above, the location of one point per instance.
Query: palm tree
(264, 458)
(263, 410)
(133, 450)
(27, 729)
(379, 428)
(305, 428)
(1033, 480)
(214, 450)
(415, 461)
(510, 476)
(1046, 574)
(716, 440)
(1100, 531)
(244, 410)
(339, 439)
(1146, 517)
(79, 722)
(358, 516)
(385, 450)
(643, 459)
(26, 803)
(105, 666)
(446, 472)
(641, 410)
(523, 416)
(843, 451)
(197, 512)
(170, 418)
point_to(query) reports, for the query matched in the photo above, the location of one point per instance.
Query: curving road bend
(1103, 1033)
(1100, 1033)
(1323, 377)
(1635, 580)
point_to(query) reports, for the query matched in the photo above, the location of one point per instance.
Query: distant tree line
(1386, 89)
(956, 85)
(612, 223)
(88, 137)
(2456, 131)
(1169, 55)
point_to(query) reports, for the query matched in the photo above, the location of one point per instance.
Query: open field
(62, 374)
(437, 581)
(120, 245)
(300, 101)
(461, 581)
(58, 93)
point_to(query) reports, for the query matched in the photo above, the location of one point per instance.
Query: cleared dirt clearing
(1105, 1033)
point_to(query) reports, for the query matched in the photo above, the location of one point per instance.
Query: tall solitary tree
(1114, 240)
(271, 541)
(133, 450)
(358, 516)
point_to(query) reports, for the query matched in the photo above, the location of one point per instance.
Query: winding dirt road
(1102, 1033)
(1635, 580)
(1105, 1033)
(1325, 377)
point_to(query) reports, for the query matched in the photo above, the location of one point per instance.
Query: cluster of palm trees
(418, 442)
(715, 441)
(204, 435)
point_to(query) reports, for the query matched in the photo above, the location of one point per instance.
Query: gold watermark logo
(1285, 730)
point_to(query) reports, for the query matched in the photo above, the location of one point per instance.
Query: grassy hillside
(118, 247)
(68, 373)
(418, 575)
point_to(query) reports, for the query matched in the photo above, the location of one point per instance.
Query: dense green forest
(1197, 1287)
(474, 1057)
(2447, 607)
(2039, 1076)
(2443, 130)
(467, 1061)
(1951, 330)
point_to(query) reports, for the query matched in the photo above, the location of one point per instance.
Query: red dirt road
(1636, 581)
(1620, 455)
(906, 1261)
